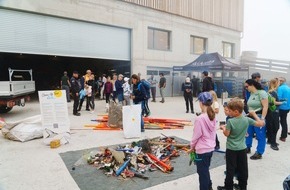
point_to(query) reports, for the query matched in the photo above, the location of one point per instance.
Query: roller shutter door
(22, 32)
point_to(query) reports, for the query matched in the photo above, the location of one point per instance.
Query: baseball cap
(126, 79)
(205, 73)
(75, 72)
(205, 97)
(255, 75)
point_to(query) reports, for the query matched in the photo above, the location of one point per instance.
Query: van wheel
(4, 109)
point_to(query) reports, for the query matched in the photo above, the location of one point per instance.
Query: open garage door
(29, 33)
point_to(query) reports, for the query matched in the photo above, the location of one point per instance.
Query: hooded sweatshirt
(204, 134)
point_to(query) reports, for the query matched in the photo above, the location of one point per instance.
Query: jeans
(203, 171)
(153, 93)
(283, 120)
(66, 88)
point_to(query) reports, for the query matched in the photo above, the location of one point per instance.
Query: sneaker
(192, 112)
(93, 111)
(186, 111)
(142, 130)
(248, 150)
(217, 147)
(88, 110)
(282, 139)
(256, 156)
(288, 133)
(77, 114)
(153, 100)
(274, 147)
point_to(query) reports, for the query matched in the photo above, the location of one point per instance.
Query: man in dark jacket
(187, 89)
(207, 83)
(75, 89)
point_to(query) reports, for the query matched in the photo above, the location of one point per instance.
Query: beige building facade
(159, 34)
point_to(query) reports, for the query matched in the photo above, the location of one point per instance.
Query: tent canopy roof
(210, 61)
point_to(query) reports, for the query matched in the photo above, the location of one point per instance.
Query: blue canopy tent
(227, 75)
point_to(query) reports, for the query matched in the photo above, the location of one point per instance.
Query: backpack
(271, 102)
(147, 87)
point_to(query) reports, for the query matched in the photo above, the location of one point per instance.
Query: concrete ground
(32, 165)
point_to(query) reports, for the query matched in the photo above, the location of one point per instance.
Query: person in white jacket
(127, 91)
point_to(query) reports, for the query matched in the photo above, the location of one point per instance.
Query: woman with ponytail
(203, 140)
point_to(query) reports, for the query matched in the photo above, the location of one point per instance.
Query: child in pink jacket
(203, 140)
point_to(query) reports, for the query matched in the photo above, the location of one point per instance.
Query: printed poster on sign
(54, 115)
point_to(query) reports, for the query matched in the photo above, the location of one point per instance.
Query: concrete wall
(138, 18)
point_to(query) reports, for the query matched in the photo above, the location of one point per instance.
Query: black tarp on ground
(88, 177)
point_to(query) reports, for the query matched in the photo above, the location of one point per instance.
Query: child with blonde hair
(216, 108)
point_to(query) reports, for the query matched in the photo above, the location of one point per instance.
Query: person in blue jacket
(284, 95)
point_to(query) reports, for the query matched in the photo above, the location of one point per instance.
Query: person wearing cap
(75, 89)
(65, 85)
(162, 85)
(119, 89)
(203, 140)
(187, 89)
(127, 91)
(207, 82)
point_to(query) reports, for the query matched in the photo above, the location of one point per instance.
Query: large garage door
(22, 32)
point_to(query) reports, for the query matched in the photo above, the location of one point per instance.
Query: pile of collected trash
(135, 159)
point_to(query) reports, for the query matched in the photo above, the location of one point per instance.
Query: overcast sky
(267, 28)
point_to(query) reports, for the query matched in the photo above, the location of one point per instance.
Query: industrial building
(108, 36)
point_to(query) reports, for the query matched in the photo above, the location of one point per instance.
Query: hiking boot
(256, 156)
(248, 150)
(274, 147)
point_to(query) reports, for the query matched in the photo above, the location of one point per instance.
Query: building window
(228, 50)
(197, 45)
(159, 39)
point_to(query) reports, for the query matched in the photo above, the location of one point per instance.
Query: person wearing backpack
(258, 102)
(272, 119)
(145, 108)
(284, 95)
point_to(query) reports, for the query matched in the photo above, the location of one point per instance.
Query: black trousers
(76, 103)
(236, 162)
(188, 100)
(153, 93)
(272, 126)
(283, 120)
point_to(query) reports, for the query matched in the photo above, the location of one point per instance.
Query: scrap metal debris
(135, 159)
